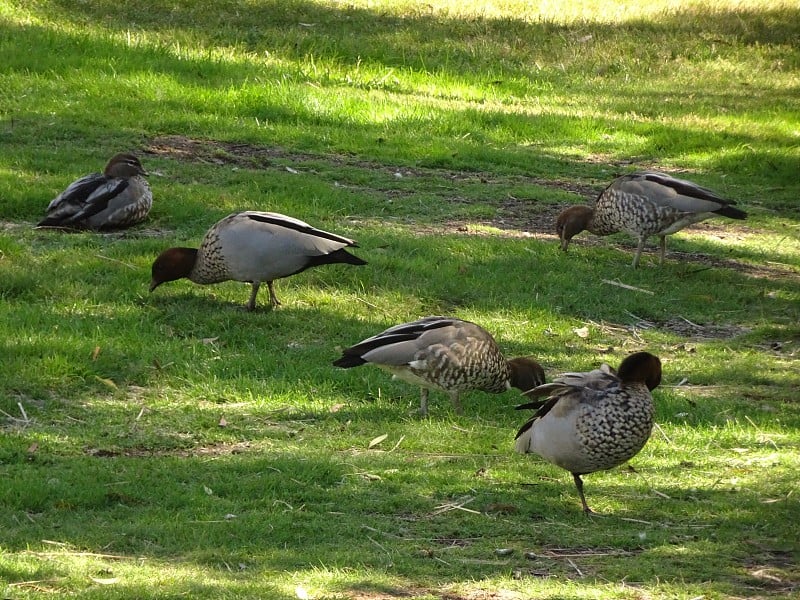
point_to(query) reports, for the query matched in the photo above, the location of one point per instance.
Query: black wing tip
(533, 405)
(525, 427)
(355, 260)
(343, 256)
(347, 361)
(59, 224)
(732, 212)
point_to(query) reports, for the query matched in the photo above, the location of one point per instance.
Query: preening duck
(592, 421)
(114, 199)
(644, 204)
(446, 354)
(254, 247)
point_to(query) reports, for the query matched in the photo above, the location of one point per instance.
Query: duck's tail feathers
(337, 256)
(346, 361)
(731, 212)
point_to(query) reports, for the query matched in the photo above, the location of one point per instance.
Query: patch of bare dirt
(214, 450)
(773, 570)
(395, 594)
(378, 592)
(695, 331)
(515, 217)
(252, 156)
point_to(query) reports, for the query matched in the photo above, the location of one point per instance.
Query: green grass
(172, 445)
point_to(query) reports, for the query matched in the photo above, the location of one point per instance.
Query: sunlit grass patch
(172, 444)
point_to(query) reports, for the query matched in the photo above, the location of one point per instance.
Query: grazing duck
(253, 246)
(644, 204)
(443, 353)
(592, 421)
(114, 199)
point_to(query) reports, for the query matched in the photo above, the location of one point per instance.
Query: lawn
(170, 444)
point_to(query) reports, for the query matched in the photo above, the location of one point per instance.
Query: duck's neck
(602, 223)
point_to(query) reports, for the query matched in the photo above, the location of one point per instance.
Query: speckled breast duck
(253, 247)
(117, 198)
(644, 204)
(446, 354)
(593, 421)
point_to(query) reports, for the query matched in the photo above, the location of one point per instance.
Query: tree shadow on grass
(290, 510)
(402, 41)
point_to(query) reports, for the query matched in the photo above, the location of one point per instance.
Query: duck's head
(641, 367)
(526, 373)
(172, 264)
(124, 164)
(571, 222)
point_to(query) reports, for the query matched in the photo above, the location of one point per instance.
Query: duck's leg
(273, 299)
(579, 485)
(423, 401)
(638, 251)
(456, 403)
(663, 248)
(251, 304)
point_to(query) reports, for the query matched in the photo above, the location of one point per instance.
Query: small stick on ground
(574, 566)
(627, 287)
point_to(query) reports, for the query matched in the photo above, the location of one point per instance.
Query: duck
(644, 204)
(253, 247)
(117, 198)
(594, 421)
(445, 354)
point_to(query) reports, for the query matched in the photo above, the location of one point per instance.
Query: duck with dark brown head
(644, 204)
(588, 422)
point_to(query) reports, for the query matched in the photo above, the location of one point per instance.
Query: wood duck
(114, 199)
(592, 421)
(645, 204)
(254, 247)
(446, 354)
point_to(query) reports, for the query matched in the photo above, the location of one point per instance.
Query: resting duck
(114, 199)
(254, 247)
(644, 204)
(592, 421)
(446, 354)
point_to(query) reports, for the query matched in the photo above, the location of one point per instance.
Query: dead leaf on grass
(106, 382)
(500, 507)
(581, 332)
(375, 441)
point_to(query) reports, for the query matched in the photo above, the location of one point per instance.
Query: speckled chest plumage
(613, 427)
(210, 265)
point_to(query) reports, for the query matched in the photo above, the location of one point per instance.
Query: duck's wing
(569, 388)
(79, 190)
(679, 194)
(273, 221)
(73, 199)
(599, 378)
(99, 199)
(399, 344)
